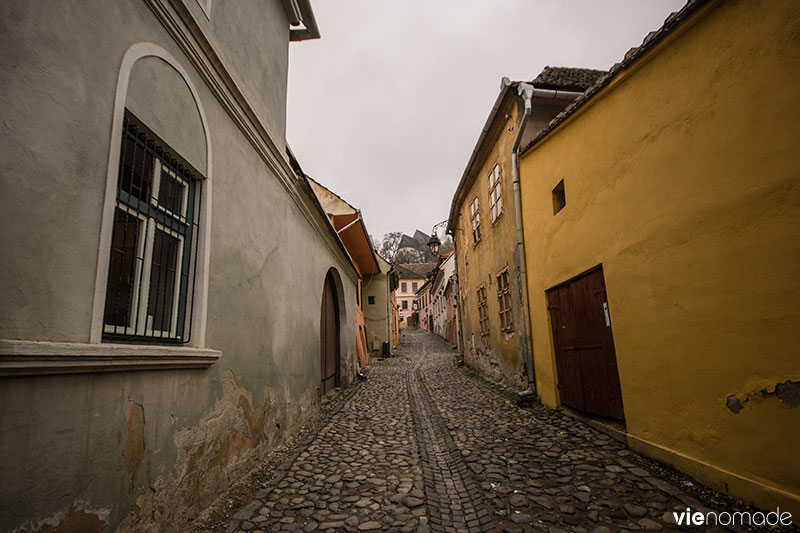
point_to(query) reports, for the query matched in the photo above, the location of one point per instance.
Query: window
(404, 287)
(153, 243)
(495, 194)
(371, 300)
(483, 316)
(504, 301)
(475, 216)
(414, 286)
(559, 198)
(405, 304)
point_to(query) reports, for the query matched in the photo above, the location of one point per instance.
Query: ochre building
(660, 217)
(484, 226)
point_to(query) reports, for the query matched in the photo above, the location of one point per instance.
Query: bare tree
(388, 245)
(408, 255)
(447, 244)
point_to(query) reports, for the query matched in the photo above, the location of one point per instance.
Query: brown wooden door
(588, 378)
(329, 337)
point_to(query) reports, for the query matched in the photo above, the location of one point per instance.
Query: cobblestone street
(422, 446)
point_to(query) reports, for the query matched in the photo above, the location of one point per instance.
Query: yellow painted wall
(498, 355)
(683, 180)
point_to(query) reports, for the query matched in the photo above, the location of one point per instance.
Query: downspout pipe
(526, 91)
(458, 300)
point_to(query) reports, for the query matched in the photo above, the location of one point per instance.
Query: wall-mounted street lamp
(434, 241)
(434, 244)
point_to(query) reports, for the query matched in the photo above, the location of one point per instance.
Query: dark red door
(329, 337)
(588, 378)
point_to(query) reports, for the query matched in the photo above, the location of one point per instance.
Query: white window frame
(475, 218)
(144, 249)
(495, 193)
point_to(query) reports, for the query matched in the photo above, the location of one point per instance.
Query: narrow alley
(423, 446)
(292, 265)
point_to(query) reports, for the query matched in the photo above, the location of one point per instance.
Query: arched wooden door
(329, 336)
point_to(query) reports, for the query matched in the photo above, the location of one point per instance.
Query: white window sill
(27, 358)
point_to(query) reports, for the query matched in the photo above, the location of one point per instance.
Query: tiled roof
(566, 78)
(414, 270)
(651, 39)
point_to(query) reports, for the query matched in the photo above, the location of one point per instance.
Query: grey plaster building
(160, 326)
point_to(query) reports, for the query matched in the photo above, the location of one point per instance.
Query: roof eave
(306, 186)
(300, 13)
(369, 241)
(632, 57)
(506, 84)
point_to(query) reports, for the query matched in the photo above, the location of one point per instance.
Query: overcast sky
(385, 109)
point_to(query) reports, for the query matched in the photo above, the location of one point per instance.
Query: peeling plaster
(76, 518)
(216, 452)
(787, 392)
(134, 441)
(734, 404)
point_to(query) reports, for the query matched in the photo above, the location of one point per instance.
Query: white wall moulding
(207, 62)
(29, 358)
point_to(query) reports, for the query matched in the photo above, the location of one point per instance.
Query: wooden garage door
(588, 379)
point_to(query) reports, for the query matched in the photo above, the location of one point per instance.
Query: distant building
(424, 305)
(443, 300)
(380, 309)
(411, 276)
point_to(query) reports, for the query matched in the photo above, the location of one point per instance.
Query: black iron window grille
(151, 274)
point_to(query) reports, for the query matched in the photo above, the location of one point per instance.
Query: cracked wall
(786, 392)
(216, 452)
(149, 448)
(700, 259)
(76, 519)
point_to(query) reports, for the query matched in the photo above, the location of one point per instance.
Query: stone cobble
(423, 447)
(541, 470)
(360, 472)
(455, 503)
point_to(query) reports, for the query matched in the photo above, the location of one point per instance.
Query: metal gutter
(369, 240)
(505, 85)
(355, 221)
(311, 30)
(458, 299)
(633, 55)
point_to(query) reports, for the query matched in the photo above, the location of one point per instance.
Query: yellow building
(661, 217)
(484, 226)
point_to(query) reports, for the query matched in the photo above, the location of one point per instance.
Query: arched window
(153, 255)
